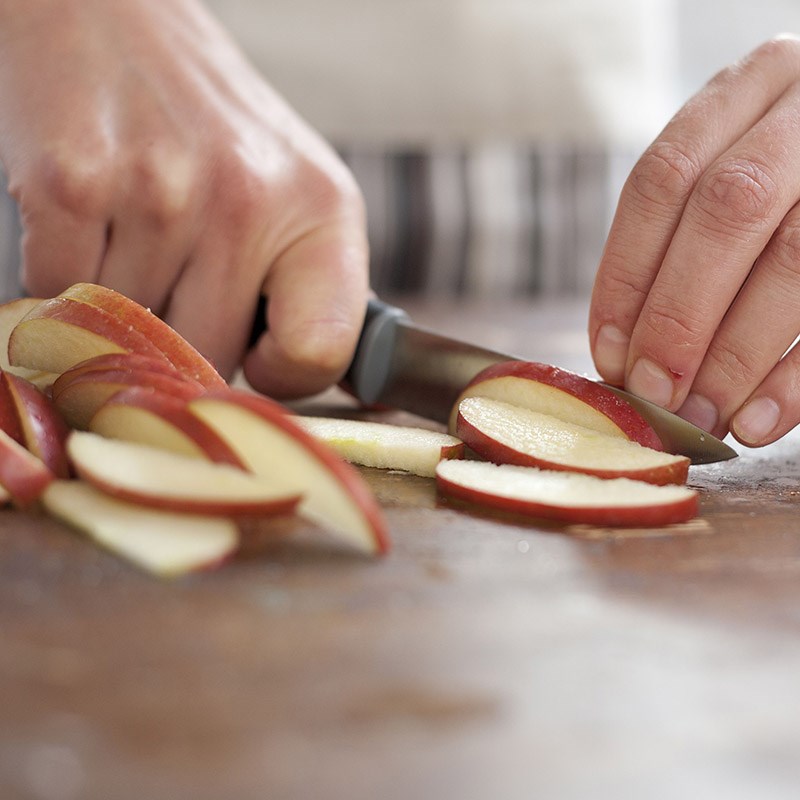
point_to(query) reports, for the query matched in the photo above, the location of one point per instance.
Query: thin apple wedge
(165, 543)
(42, 427)
(11, 313)
(59, 333)
(79, 393)
(22, 474)
(177, 350)
(562, 394)
(566, 496)
(156, 478)
(149, 416)
(507, 434)
(384, 446)
(274, 446)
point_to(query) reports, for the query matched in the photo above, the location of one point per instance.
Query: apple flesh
(566, 496)
(562, 394)
(275, 447)
(507, 434)
(152, 417)
(11, 313)
(164, 543)
(375, 444)
(153, 477)
(179, 352)
(42, 429)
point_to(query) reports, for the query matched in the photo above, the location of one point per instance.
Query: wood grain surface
(486, 657)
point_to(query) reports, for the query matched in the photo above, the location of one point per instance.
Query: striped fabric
(490, 221)
(486, 221)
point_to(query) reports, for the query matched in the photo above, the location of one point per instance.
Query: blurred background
(490, 137)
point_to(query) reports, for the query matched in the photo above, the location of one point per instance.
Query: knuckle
(670, 323)
(736, 193)
(665, 174)
(737, 363)
(164, 184)
(785, 248)
(782, 47)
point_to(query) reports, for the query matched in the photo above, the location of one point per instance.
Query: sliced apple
(562, 394)
(377, 444)
(157, 478)
(59, 333)
(22, 474)
(508, 434)
(135, 362)
(43, 430)
(164, 543)
(275, 447)
(79, 394)
(566, 496)
(149, 416)
(178, 351)
(11, 313)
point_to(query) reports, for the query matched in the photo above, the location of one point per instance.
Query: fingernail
(699, 411)
(611, 352)
(756, 420)
(651, 382)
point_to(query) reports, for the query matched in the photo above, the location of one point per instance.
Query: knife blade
(403, 365)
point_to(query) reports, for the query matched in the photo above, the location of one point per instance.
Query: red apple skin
(44, 430)
(642, 516)
(630, 423)
(118, 335)
(177, 350)
(172, 410)
(135, 362)
(347, 476)
(9, 414)
(498, 453)
(79, 396)
(23, 474)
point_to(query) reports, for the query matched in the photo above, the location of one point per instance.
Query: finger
(728, 221)
(58, 249)
(757, 330)
(317, 299)
(655, 195)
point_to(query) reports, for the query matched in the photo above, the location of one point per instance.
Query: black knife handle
(369, 369)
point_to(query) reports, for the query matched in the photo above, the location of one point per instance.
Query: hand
(698, 293)
(147, 154)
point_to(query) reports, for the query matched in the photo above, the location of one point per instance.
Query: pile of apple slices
(555, 444)
(114, 423)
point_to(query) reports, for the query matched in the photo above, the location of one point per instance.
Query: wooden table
(483, 658)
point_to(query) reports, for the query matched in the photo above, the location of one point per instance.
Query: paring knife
(403, 365)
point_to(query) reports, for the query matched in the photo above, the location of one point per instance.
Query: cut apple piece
(272, 445)
(562, 394)
(134, 362)
(43, 429)
(164, 543)
(78, 394)
(59, 333)
(153, 417)
(565, 496)
(377, 444)
(507, 434)
(11, 313)
(157, 478)
(178, 351)
(22, 474)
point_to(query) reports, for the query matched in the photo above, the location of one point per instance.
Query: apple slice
(178, 351)
(135, 362)
(157, 478)
(274, 446)
(11, 313)
(59, 333)
(164, 543)
(562, 394)
(42, 427)
(376, 444)
(507, 434)
(566, 496)
(79, 394)
(149, 416)
(22, 474)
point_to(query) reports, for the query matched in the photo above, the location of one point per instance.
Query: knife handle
(369, 369)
